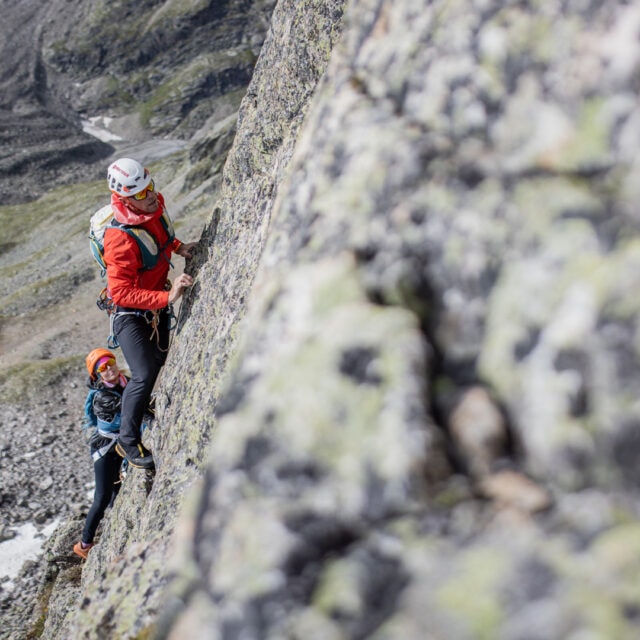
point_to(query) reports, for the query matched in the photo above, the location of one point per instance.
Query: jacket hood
(125, 214)
(99, 384)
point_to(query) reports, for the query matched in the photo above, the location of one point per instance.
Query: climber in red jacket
(137, 270)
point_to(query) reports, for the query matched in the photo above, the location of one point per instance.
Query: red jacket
(129, 285)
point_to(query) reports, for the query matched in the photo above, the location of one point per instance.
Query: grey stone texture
(458, 213)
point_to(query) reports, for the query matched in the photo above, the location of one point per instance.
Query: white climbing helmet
(126, 177)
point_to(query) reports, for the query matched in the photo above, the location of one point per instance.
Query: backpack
(96, 429)
(150, 251)
(100, 435)
(92, 421)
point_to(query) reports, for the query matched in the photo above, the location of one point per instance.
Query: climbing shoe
(81, 550)
(137, 456)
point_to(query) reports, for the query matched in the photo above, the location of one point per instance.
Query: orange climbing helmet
(94, 357)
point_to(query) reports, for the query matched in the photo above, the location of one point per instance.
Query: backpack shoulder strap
(168, 226)
(149, 249)
(91, 420)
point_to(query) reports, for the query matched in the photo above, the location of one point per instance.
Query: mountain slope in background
(140, 70)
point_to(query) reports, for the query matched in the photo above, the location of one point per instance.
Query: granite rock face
(401, 401)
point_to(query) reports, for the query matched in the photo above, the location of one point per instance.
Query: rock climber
(102, 412)
(142, 295)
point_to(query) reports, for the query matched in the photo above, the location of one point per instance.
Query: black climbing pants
(145, 350)
(107, 474)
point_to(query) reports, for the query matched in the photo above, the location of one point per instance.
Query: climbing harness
(112, 436)
(152, 317)
(105, 303)
(102, 451)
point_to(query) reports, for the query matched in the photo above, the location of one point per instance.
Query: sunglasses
(141, 195)
(103, 367)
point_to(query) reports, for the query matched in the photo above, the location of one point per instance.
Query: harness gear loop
(102, 451)
(104, 302)
(112, 341)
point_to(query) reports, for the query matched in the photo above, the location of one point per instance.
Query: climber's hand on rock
(179, 285)
(186, 249)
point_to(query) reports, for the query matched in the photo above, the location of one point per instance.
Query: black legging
(145, 354)
(107, 473)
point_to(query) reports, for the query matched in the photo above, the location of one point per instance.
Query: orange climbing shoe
(81, 550)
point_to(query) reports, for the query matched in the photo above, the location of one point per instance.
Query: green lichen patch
(337, 593)
(471, 593)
